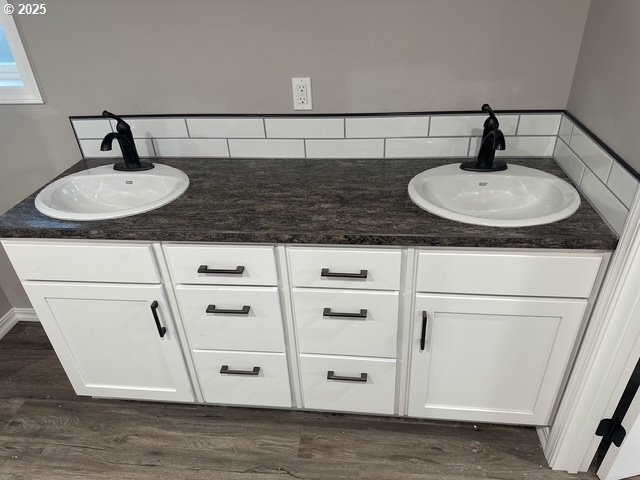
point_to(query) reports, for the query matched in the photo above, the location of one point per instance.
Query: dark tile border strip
(319, 115)
(603, 145)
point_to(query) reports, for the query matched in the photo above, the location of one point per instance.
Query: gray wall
(605, 94)
(237, 56)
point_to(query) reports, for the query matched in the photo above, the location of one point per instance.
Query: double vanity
(316, 285)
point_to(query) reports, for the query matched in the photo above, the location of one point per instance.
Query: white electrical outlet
(301, 93)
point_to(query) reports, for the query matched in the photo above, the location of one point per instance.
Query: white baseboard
(543, 436)
(7, 321)
(15, 315)
(25, 315)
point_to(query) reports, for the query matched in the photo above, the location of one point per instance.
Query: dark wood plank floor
(47, 432)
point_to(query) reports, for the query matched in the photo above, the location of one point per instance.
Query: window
(17, 83)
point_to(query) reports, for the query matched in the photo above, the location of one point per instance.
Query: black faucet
(492, 140)
(131, 161)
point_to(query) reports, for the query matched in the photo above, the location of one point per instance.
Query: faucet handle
(122, 126)
(486, 108)
(108, 114)
(492, 122)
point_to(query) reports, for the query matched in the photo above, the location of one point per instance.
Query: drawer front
(217, 318)
(367, 327)
(221, 265)
(242, 378)
(348, 391)
(71, 261)
(345, 268)
(540, 275)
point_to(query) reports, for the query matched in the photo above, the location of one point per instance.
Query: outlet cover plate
(301, 93)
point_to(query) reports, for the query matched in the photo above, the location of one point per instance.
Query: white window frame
(29, 93)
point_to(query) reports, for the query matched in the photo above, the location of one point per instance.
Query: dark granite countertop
(359, 202)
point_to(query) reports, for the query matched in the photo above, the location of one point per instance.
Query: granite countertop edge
(380, 211)
(317, 239)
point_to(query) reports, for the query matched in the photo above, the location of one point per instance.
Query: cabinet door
(490, 359)
(108, 342)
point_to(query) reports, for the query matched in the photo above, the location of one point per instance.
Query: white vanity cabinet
(483, 335)
(116, 339)
(485, 347)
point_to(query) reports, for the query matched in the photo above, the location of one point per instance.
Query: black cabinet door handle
(242, 311)
(332, 376)
(423, 334)
(328, 313)
(154, 310)
(326, 273)
(224, 370)
(239, 270)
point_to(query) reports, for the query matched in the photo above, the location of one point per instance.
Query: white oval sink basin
(102, 193)
(516, 197)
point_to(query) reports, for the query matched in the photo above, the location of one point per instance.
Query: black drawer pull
(326, 273)
(231, 271)
(423, 335)
(332, 376)
(243, 311)
(328, 313)
(154, 310)
(225, 371)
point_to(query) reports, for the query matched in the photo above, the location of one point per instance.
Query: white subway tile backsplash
(468, 125)
(381, 127)
(474, 145)
(622, 184)
(346, 148)
(91, 148)
(156, 127)
(591, 154)
(226, 127)
(426, 147)
(520, 147)
(97, 128)
(537, 124)
(613, 211)
(605, 183)
(565, 130)
(304, 127)
(569, 162)
(528, 147)
(191, 147)
(266, 148)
